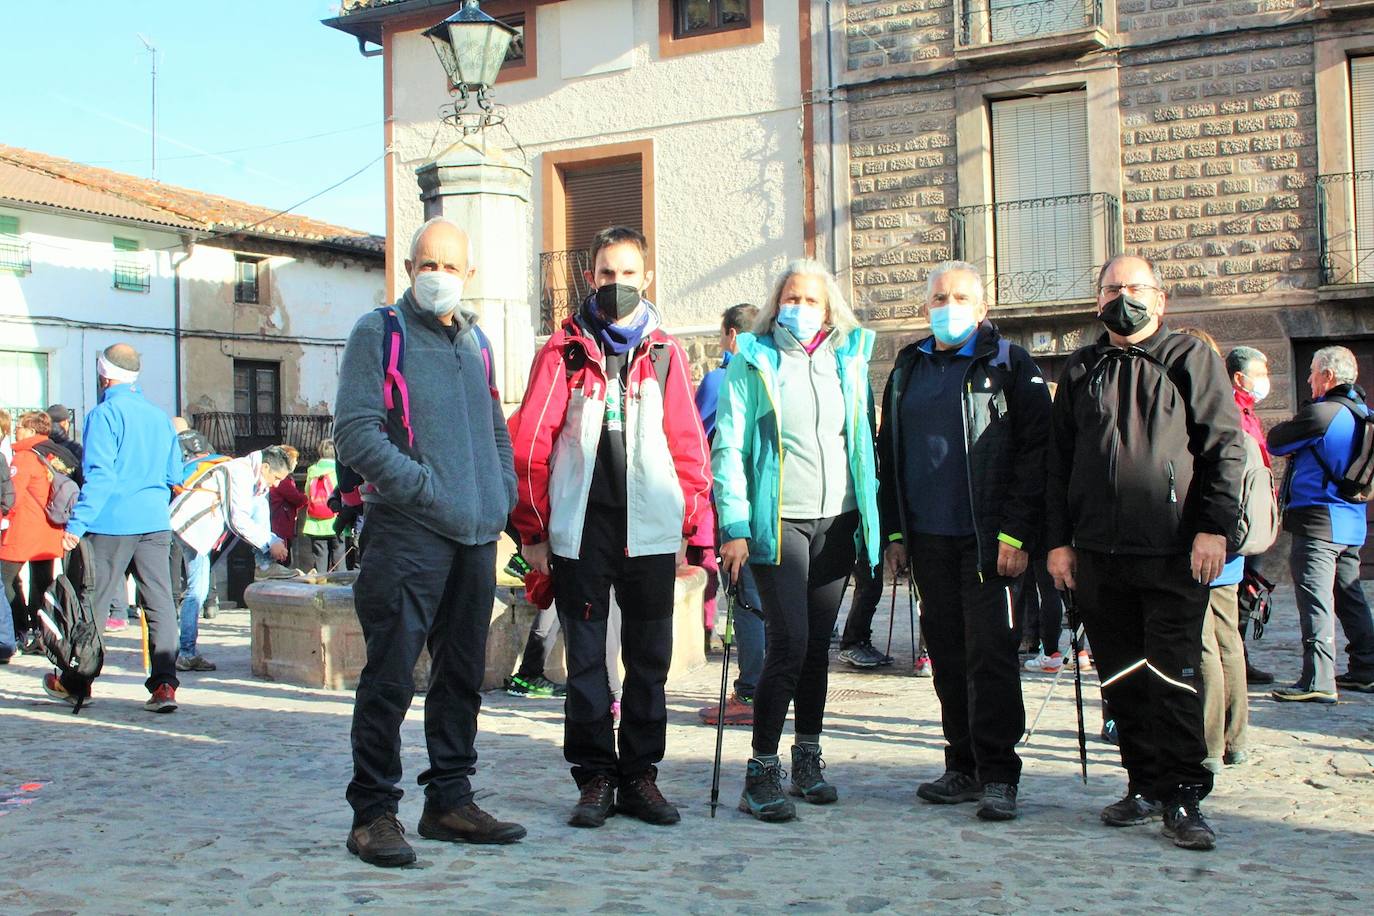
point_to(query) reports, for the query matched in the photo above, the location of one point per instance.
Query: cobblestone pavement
(236, 803)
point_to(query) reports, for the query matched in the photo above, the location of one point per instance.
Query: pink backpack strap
(393, 378)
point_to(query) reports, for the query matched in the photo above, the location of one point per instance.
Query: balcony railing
(1345, 227)
(14, 255)
(561, 286)
(986, 21)
(1039, 251)
(240, 433)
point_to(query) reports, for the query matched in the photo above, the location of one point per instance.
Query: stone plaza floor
(235, 803)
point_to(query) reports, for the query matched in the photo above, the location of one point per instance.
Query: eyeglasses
(1112, 289)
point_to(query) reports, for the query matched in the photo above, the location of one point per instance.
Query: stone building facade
(1223, 141)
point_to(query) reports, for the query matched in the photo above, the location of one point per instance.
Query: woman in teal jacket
(795, 488)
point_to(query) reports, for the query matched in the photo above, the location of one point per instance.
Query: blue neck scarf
(615, 338)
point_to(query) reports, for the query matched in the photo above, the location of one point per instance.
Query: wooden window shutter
(602, 195)
(1362, 158)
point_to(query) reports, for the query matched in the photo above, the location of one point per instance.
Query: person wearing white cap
(132, 461)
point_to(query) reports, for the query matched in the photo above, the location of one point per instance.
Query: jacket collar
(412, 314)
(30, 443)
(984, 342)
(1149, 344)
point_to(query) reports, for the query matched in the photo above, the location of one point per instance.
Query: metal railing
(1039, 251)
(986, 21)
(240, 433)
(132, 277)
(561, 286)
(15, 255)
(1345, 227)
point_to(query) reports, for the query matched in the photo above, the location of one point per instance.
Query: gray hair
(123, 356)
(1239, 359)
(1339, 361)
(1154, 271)
(278, 460)
(842, 317)
(435, 221)
(951, 267)
(327, 448)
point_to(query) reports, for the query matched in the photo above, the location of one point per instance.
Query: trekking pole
(1049, 693)
(891, 618)
(727, 639)
(1076, 643)
(911, 613)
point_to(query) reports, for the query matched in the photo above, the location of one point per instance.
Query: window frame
(252, 434)
(20, 250)
(136, 275)
(528, 11)
(241, 285)
(672, 45)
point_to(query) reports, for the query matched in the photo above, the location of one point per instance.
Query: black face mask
(616, 300)
(1124, 315)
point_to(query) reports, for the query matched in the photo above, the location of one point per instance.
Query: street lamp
(472, 47)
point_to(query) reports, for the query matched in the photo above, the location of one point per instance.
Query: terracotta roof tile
(38, 178)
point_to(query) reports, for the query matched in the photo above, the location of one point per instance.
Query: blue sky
(236, 79)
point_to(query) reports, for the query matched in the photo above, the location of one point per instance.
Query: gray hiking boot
(763, 796)
(808, 776)
(998, 802)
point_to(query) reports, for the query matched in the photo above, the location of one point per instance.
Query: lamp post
(472, 47)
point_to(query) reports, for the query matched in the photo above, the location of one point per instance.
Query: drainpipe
(830, 117)
(176, 321)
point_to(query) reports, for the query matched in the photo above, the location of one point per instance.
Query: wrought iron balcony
(1040, 251)
(986, 21)
(240, 433)
(561, 286)
(1345, 227)
(131, 276)
(14, 255)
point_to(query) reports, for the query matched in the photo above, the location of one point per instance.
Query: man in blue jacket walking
(131, 461)
(1328, 530)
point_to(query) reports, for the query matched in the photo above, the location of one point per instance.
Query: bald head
(123, 356)
(441, 243)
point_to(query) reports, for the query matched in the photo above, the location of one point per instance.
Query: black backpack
(71, 638)
(1356, 485)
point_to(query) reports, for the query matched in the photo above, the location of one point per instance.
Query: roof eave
(366, 24)
(169, 228)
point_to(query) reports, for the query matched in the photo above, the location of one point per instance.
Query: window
(1362, 159)
(515, 54)
(14, 251)
(689, 26)
(520, 15)
(245, 278)
(1042, 208)
(257, 404)
(130, 269)
(23, 380)
(701, 17)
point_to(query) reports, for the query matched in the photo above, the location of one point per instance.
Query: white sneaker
(1048, 664)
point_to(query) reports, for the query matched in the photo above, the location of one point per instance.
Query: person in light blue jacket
(131, 462)
(795, 486)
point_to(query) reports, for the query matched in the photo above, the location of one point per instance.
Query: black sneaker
(763, 796)
(535, 688)
(381, 842)
(998, 802)
(950, 789)
(1131, 811)
(1360, 683)
(864, 655)
(1256, 677)
(1185, 825)
(517, 567)
(808, 777)
(639, 797)
(596, 804)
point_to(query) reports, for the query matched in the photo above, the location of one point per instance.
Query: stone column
(487, 191)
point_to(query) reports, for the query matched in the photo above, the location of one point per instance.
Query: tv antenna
(152, 52)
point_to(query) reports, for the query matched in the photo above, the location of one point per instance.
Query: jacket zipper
(968, 467)
(1173, 494)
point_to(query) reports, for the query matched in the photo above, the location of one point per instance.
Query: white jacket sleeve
(241, 515)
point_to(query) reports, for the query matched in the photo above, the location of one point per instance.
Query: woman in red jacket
(286, 501)
(30, 537)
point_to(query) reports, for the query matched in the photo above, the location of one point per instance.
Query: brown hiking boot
(468, 824)
(381, 842)
(639, 797)
(596, 804)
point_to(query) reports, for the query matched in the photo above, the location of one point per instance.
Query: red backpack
(317, 496)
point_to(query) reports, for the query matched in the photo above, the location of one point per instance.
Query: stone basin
(305, 631)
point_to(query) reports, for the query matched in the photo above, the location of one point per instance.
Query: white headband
(112, 372)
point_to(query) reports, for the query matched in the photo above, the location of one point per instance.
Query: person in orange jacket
(31, 537)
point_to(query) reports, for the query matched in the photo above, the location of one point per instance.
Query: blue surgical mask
(802, 320)
(952, 324)
(438, 292)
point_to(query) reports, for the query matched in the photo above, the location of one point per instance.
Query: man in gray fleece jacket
(438, 492)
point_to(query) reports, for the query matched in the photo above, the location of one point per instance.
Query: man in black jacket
(1145, 468)
(961, 456)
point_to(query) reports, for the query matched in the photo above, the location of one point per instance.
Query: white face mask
(438, 292)
(1259, 388)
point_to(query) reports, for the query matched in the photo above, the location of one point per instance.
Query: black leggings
(25, 612)
(801, 599)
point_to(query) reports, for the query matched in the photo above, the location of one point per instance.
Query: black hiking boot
(998, 802)
(808, 777)
(763, 796)
(1184, 823)
(639, 797)
(1132, 810)
(950, 789)
(596, 804)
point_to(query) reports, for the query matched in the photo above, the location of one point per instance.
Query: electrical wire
(241, 149)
